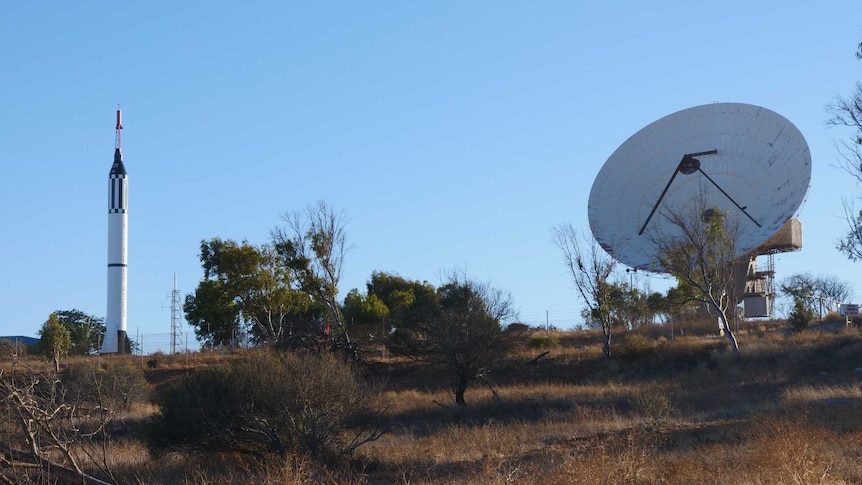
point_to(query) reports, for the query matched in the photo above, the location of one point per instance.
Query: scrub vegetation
(684, 410)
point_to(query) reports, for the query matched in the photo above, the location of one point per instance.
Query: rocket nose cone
(118, 168)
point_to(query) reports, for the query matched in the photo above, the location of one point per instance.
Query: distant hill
(28, 341)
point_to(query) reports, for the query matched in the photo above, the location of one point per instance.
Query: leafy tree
(246, 284)
(629, 307)
(279, 313)
(590, 268)
(659, 305)
(467, 336)
(84, 330)
(700, 255)
(365, 314)
(465, 333)
(312, 245)
(846, 112)
(54, 340)
(682, 304)
(410, 303)
(817, 291)
(213, 314)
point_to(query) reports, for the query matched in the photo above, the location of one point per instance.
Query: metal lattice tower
(176, 319)
(769, 284)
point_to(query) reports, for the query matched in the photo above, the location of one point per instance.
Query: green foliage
(799, 286)
(365, 313)
(682, 302)
(801, 315)
(700, 254)
(464, 333)
(198, 413)
(265, 402)
(81, 383)
(409, 304)
(629, 307)
(54, 340)
(85, 330)
(213, 313)
(312, 246)
(700, 257)
(252, 285)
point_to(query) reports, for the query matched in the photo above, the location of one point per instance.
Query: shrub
(800, 316)
(119, 386)
(124, 385)
(656, 409)
(543, 341)
(833, 317)
(80, 383)
(635, 344)
(265, 402)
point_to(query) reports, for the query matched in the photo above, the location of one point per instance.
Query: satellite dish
(742, 159)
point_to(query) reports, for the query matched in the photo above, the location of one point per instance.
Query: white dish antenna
(743, 159)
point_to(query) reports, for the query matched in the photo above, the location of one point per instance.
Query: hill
(661, 410)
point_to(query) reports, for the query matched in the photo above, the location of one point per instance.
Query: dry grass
(686, 411)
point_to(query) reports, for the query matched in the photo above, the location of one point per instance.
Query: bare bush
(266, 402)
(50, 430)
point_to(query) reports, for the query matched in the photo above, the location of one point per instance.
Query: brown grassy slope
(788, 410)
(660, 412)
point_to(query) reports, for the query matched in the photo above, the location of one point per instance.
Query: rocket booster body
(118, 240)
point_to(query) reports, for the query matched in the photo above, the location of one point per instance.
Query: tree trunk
(606, 345)
(56, 361)
(460, 389)
(727, 331)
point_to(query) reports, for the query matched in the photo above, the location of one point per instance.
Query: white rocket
(118, 243)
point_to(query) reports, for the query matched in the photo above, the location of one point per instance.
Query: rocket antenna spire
(119, 124)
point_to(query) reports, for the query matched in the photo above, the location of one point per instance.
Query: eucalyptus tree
(312, 244)
(409, 304)
(590, 268)
(365, 314)
(464, 333)
(817, 292)
(85, 331)
(846, 112)
(213, 313)
(700, 254)
(54, 340)
(246, 285)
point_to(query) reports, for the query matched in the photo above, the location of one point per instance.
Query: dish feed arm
(741, 208)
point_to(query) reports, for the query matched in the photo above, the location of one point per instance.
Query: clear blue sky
(451, 133)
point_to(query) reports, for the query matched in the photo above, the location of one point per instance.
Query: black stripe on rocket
(118, 197)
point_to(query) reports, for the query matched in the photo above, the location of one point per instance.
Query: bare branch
(701, 254)
(590, 268)
(314, 244)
